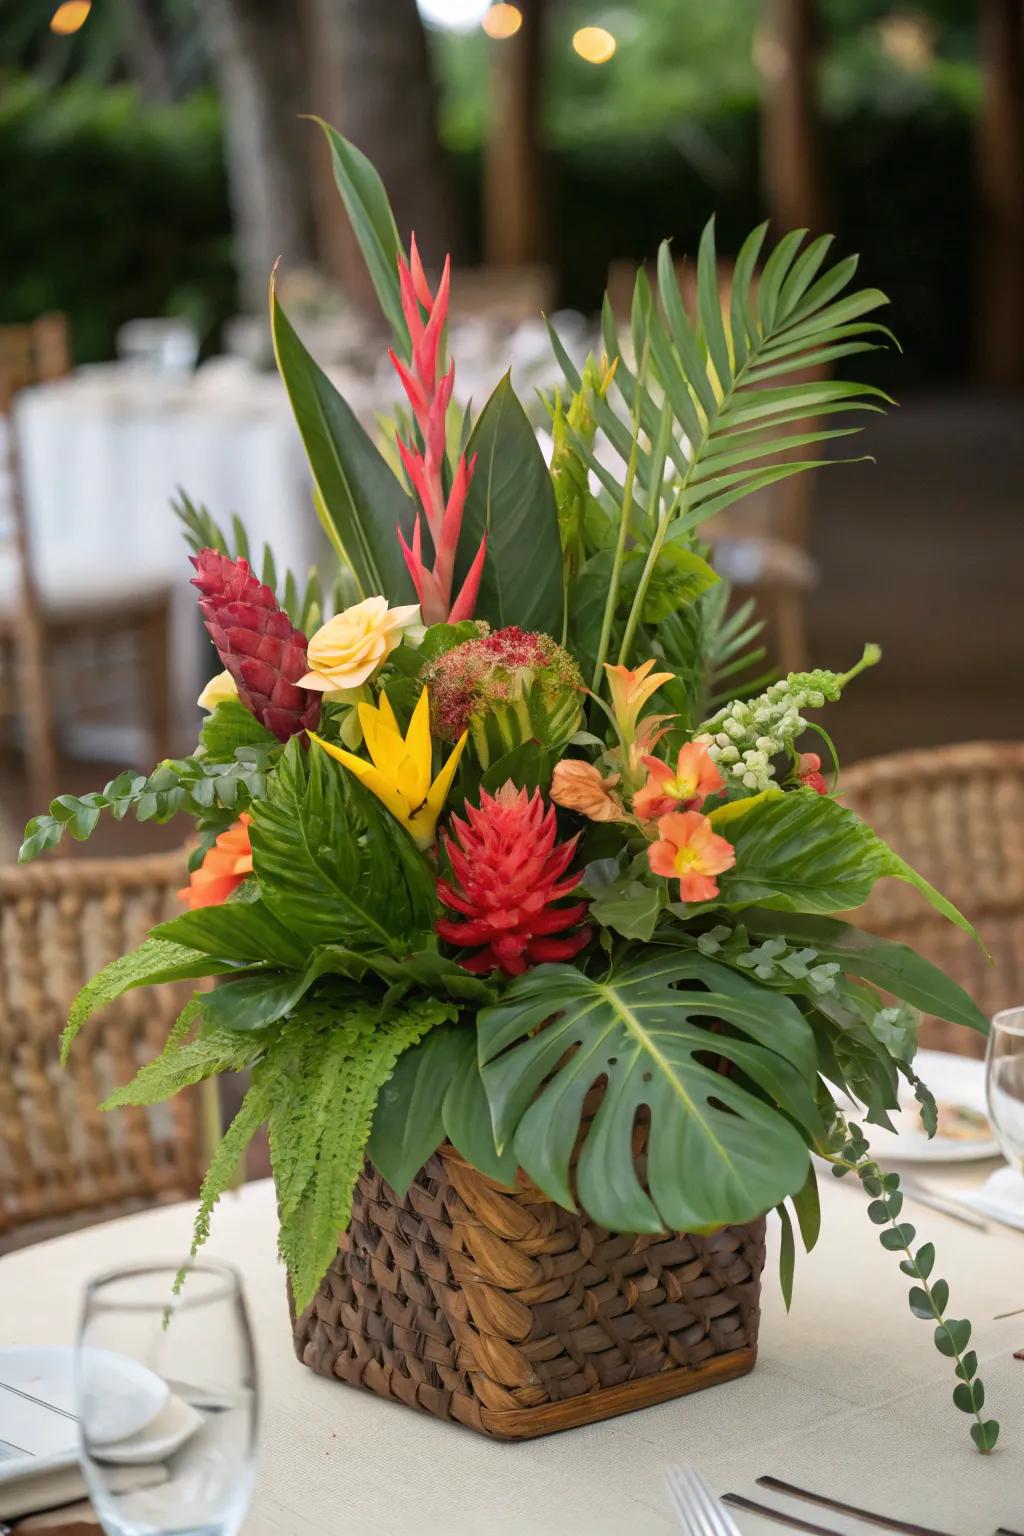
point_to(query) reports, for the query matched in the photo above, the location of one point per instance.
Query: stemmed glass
(1004, 1089)
(167, 1401)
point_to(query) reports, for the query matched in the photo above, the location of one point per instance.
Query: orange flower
(579, 787)
(809, 772)
(224, 868)
(692, 853)
(630, 690)
(694, 777)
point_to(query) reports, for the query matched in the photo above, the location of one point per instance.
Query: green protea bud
(506, 688)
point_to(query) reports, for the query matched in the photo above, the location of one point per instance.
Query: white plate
(128, 1396)
(167, 1433)
(954, 1080)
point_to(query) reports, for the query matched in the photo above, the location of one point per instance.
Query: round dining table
(846, 1426)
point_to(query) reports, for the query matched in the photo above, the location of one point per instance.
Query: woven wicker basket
(508, 1314)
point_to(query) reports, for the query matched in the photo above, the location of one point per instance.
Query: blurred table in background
(103, 453)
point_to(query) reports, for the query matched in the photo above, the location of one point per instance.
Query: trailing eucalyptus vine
(928, 1297)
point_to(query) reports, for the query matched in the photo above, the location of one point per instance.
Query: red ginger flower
(257, 643)
(510, 872)
(429, 398)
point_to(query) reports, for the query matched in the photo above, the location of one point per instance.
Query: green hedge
(112, 210)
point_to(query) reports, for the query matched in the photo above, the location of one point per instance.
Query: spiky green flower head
(506, 688)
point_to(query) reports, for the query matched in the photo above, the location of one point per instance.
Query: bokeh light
(67, 18)
(502, 20)
(454, 15)
(595, 44)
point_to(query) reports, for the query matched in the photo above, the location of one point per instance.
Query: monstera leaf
(718, 1149)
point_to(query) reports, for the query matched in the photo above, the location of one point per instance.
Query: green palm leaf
(718, 1150)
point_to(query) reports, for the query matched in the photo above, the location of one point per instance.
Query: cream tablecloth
(849, 1399)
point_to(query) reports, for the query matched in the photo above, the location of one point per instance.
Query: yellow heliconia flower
(399, 773)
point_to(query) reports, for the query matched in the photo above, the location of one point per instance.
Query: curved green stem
(611, 601)
(633, 622)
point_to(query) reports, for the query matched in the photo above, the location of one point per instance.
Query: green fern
(183, 1063)
(315, 1082)
(318, 1134)
(155, 961)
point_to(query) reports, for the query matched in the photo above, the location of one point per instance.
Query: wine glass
(1004, 1088)
(167, 1401)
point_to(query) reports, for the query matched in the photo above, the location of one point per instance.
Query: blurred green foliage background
(116, 208)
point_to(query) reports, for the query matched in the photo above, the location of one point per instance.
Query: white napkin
(1001, 1197)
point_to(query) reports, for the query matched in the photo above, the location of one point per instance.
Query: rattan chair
(62, 1162)
(957, 815)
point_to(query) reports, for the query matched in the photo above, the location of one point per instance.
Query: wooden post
(786, 55)
(513, 181)
(1000, 336)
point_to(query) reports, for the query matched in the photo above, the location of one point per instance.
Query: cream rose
(217, 691)
(345, 650)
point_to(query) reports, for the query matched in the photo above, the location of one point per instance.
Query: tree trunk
(370, 76)
(1001, 179)
(786, 55)
(257, 50)
(513, 187)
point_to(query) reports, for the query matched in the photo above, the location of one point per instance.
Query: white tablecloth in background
(849, 1399)
(103, 453)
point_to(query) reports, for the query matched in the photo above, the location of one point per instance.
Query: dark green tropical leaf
(240, 931)
(895, 967)
(804, 852)
(511, 500)
(717, 1152)
(467, 1124)
(362, 501)
(373, 223)
(333, 865)
(408, 1126)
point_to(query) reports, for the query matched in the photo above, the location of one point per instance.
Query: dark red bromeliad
(510, 872)
(257, 642)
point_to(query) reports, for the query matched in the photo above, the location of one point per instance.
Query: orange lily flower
(692, 853)
(578, 786)
(687, 785)
(225, 866)
(630, 690)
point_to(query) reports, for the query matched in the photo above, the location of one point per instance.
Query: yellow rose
(217, 691)
(344, 652)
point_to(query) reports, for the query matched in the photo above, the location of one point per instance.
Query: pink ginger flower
(429, 397)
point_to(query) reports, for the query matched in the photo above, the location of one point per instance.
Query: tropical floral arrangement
(519, 820)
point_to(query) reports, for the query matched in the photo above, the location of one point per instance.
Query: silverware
(839, 1507)
(700, 1512)
(946, 1204)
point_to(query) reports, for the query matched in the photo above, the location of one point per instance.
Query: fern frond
(320, 1124)
(251, 1115)
(181, 1064)
(155, 961)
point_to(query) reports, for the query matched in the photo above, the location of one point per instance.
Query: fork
(700, 1512)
